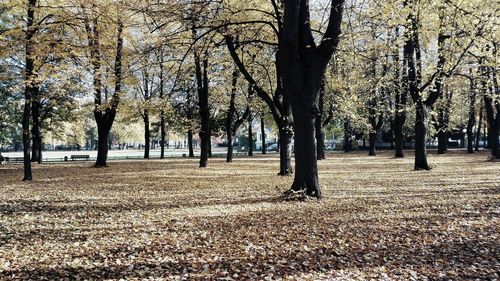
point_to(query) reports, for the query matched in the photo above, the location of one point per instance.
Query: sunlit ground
(169, 219)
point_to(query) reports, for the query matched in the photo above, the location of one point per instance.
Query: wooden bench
(79, 157)
(14, 159)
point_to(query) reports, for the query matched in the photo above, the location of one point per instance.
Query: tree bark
(190, 144)
(104, 122)
(147, 134)
(36, 150)
(472, 117)
(250, 136)
(478, 132)
(285, 140)
(263, 134)
(30, 89)
(421, 128)
(372, 138)
(347, 137)
(202, 84)
(229, 155)
(318, 123)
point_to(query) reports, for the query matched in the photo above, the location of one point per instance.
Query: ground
(169, 219)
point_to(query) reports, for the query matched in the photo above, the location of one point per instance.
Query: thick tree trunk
(442, 142)
(263, 134)
(147, 134)
(190, 144)
(421, 128)
(306, 170)
(104, 122)
(285, 139)
(372, 139)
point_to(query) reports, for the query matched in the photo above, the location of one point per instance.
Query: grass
(168, 219)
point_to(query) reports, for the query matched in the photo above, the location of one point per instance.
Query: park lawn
(169, 219)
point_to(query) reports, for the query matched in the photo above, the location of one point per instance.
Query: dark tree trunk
(421, 128)
(36, 150)
(29, 91)
(190, 144)
(229, 155)
(493, 119)
(250, 136)
(442, 137)
(306, 170)
(263, 134)
(147, 134)
(400, 106)
(202, 84)
(162, 112)
(285, 140)
(318, 123)
(320, 139)
(347, 137)
(371, 149)
(104, 123)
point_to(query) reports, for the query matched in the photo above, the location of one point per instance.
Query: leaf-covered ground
(170, 220)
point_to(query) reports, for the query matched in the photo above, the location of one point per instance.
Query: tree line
(408, 69)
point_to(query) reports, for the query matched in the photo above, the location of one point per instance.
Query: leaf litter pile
(168, 219)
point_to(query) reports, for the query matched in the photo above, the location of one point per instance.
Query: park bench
(79, 157)
(14, 159)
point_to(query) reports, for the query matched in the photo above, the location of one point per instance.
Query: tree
(304, 64)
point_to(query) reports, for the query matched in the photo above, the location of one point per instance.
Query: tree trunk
(104, 122)
(250, 136)
(162, 135)
(29, 90)
(372, 139)
(306, 170)
(36, 150)
(263, 134)
(285, 139)
(421, 128)
(347, 137)
(190, 144)
(478, 132)
(472, 117)
(147, 134)
(320, 139)
(442, 142)
(26, 134)
(229, 156)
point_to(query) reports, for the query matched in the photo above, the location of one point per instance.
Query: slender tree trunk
(320, 139)
(229, 156)
(285, 140)
(26, 134)
(36, 150)
(472, 117)
(347, 137)
(421, 128)
(372, 138)
(162, 135)
(202, 81)
(190, 144)
(263, 134)
(250, 136)
(147, 134)
(30, 89)
(478, 132)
